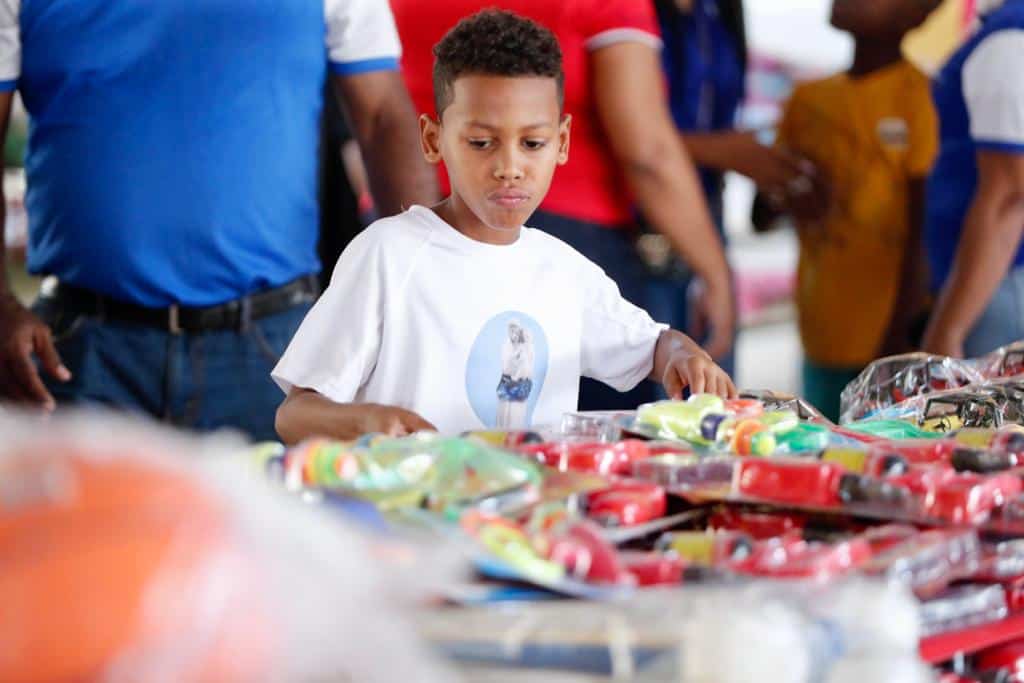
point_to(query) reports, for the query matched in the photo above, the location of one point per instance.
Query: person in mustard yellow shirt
(872, 134)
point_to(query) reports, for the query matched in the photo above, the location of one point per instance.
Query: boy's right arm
(306, 413)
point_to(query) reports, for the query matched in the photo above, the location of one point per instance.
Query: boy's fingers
(674, 384)
(415, 423)
(697, 383)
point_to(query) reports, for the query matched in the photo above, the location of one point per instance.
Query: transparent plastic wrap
(895, 379)
(847, 632)
(1007, 361)
(926, 562)
(144, 555)
(789, 556)
(588, 456)
(942, 412)
(739, 426)
(442, 474)
(963, 607)
(777, 400)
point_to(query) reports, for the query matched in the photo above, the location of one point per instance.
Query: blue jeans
(612, 249)
(1003, 320)
(202, 381)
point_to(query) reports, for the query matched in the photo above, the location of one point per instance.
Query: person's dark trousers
(611, 249)
(201, 381)
(666, 293)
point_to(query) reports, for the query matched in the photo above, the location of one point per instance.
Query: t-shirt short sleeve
(10, 45)
(336, 347)
(994, 92)
(619, 338)
(607, 22)
(361, 36)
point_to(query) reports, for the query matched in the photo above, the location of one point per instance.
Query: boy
(457, 317)
(872, 133)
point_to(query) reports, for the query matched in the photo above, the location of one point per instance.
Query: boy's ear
(430, 138)
(563, 139)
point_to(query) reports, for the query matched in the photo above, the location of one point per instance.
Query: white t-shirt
(467, 334)
(994, 92)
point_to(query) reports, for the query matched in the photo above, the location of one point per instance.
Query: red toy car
(653, 569)
(758, 525)
(601, 458)
(818, 484)
(793, 557)
(970, 498)
(626, 502)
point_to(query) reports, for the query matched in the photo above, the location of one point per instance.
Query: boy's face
(880, 18)
(500, 139)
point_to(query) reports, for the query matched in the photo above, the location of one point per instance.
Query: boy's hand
(699, 372)
(393, 421)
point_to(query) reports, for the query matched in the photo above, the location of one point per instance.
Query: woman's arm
(630, 95)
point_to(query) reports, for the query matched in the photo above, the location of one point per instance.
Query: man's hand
(697, 371)
(942, 341)
(393, 421)
(713, 312)
(771, 168)
(22, 336)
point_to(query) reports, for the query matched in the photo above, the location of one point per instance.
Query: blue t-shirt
(705, 74)
(173, 145)
(979, 97)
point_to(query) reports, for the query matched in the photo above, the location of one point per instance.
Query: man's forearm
(383, 122)
(989, 242)
(669, 195)
(398, 175)
(710, 150)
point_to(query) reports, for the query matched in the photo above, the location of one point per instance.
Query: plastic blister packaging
(1006, 361)
(851, 631)
(963, 607)
(892, 380)
(443, 474)
(683, 472)
(739, 426)
(777, 400)
(588, 456)
(926, 562)
(597, 425)
(201, 570)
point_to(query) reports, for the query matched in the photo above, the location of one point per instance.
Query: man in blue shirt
(172, 192)
(976, 191)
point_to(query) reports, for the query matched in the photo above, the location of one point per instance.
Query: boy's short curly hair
(495, 42)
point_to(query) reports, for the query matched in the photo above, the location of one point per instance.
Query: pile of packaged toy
(921, 486)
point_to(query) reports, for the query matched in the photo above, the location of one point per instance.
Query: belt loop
(173, 320)
(245, 314)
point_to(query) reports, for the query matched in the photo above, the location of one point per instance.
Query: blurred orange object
(118, 568)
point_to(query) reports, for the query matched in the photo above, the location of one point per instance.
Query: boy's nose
(508, 168)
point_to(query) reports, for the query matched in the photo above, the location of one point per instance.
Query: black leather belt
(232, 315)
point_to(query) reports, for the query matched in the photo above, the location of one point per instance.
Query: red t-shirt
(590, 186)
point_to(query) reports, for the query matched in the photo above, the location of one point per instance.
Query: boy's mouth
(509, 199)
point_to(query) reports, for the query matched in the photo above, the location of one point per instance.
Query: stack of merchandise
(919, 492)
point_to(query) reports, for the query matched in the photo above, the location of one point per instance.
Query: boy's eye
(479, 143)
(534, 144)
